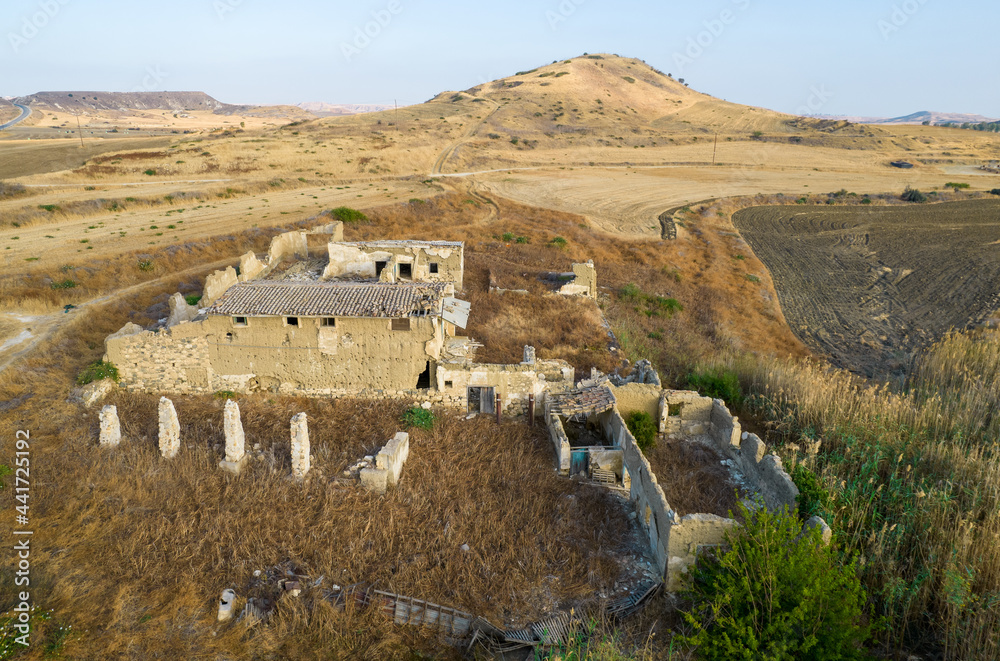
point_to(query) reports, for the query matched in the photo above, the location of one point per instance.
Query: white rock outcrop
(170, 429)
(300, 446)
(111, 429)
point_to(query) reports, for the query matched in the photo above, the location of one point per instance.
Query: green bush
(912, 195)
(65, 284)
(5, 470)
(717, 384)
(774, 596)
(628, 79)
(51, 208)
(97, 371)
(150, 173)
(643, 429)
(956, 186)
(418, 417)
(995, 191)
(559, 242)
(192, 299)
(631, 292)
(224, 394)
(348, 215)
(813, 500)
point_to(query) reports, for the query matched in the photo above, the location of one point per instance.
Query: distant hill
(933, 118)
(91, 102)
(321, 109)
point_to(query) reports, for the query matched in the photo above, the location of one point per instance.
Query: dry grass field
(591, 150)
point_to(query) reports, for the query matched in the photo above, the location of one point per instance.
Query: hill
(321, 109)
(123, 102)
(922, 117)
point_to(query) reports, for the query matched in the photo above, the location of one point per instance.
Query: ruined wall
(584, 282)
(638, 397)
(514, 383)
(685, 413)
(216, 285)
(355, 354)
(688, 537)
(173, 359)
(763, 471)
(560, 443)
(358, 259)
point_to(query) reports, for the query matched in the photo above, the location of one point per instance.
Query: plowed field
(869, 286)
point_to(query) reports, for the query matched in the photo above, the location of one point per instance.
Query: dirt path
(450, 150)
(42, 327)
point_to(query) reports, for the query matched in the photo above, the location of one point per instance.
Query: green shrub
(224, 394)
(956, 186)
(772, 595)
(559, 242)
(631, 292)
(995, 191)
(717, 384)
(813, 500)
(150, 173)
(349, 215)
(145, 265)
(628, 79)
(65, 284)
(643, 429)
(51, 208)
(752, 278)
(507, 236)
(5, 470)
(97, 371)
(866, 200)
(418, 417)
(912, 195)
(192, 299)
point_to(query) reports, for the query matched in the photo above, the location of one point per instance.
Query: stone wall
(685, 413)
(514, 383)
(170, 360)
(359, 260)
(216, 285)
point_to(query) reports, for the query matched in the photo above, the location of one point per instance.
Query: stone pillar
(226, 605)
(529, 356)
(235, 440)
(111, 430)
(170, 429)
(300, 446)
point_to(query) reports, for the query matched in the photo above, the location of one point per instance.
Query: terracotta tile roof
(262, 298)
(587, 400)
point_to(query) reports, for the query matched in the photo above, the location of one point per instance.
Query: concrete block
(375, 479)
(226, 605)
(170, 429)
(300, 445)
(111, 431)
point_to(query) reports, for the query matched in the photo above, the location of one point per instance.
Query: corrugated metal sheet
(457, 311)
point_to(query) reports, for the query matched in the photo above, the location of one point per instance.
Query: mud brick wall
(171, 360)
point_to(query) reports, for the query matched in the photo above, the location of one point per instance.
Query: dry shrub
(693, 477)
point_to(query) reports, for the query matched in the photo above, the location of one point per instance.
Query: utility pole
(79, 131)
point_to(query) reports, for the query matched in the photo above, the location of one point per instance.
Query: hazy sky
(857, 57)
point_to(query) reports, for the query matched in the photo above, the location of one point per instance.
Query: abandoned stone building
(322, 317)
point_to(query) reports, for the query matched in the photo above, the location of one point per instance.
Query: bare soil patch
(870, 287)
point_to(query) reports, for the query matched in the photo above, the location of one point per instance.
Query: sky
(880, 58)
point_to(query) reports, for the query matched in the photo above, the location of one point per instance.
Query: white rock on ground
(170, 429)
(226, 605)
(111, 430)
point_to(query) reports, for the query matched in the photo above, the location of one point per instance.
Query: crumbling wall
(685, 413)
(514, 383)
(289, 244)
(171, 360)
(388, 464)
(688, 538)
(653, 511)
(217, 284)
(584, 282)
(763, 471)
(638, 397)
(560, 443)
(250, 267)
(428, 261)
